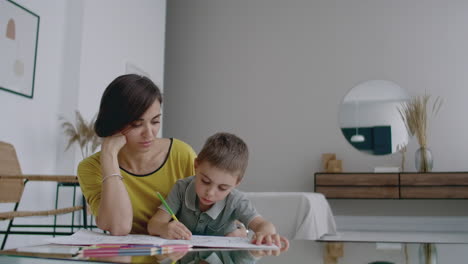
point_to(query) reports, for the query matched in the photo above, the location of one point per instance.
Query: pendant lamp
(357, 138)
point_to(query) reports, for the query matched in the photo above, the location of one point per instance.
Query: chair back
(10, 189)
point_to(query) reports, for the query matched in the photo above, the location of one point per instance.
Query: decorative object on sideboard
(325, 158)
(330, 163)
(427, 253)
(402, 150)
(386, 169)
(415, 117)
(423, 160)
(333, 252)
(368, 118)
(334, 166)
(81, 133)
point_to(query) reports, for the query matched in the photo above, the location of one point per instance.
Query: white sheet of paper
(52, 249)
(87, 237)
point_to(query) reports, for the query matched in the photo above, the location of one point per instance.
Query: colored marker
(122, 245)
(105, 252)
(167, 206)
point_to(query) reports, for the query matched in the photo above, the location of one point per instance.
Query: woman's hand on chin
(114, 143)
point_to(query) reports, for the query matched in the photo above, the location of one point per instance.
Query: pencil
(167, 206)
(121, 245)
(132, 253)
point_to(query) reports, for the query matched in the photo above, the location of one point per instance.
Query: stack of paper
(86, 237)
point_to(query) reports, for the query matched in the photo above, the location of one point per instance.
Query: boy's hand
(176, 230)
(263, 253)
(271, 239)
(266, 238)
(265, 233)
(240, 231)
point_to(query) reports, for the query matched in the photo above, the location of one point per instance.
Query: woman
(120, 182)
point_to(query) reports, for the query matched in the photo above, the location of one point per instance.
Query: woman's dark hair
(125, 100)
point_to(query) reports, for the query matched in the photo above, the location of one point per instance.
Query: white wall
(31, 125)
(83, 45)
(114, 33)
(275, 72)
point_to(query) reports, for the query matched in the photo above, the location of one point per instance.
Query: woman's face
(141, 133)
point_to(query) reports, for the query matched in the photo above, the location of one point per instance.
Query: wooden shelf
(434, 185)
(360, 185)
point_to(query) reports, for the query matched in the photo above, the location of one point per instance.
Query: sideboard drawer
(358, 192)
(404, 185)
(449, 185)
(434, 179)
(358, 179)
(358, 185)
(434, 192)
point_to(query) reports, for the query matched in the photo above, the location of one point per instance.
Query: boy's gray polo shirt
(218, 220)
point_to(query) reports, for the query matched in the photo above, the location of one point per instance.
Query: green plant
(81, 133)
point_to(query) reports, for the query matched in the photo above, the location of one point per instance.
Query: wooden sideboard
(403, 185)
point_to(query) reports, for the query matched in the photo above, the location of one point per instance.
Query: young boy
(208, 203)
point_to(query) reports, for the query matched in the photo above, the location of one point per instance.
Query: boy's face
(212, 184)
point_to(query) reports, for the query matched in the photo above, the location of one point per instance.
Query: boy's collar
(191, 201)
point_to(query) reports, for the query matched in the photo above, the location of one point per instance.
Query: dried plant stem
(82, 133)
(424, 166)
(414, 115)
(402, 149)
(428, 252)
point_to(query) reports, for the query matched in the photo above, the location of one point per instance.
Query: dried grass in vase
(81, 133)
(414, 115)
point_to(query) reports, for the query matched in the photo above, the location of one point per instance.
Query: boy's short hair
(227, 152)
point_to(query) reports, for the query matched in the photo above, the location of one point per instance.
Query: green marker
(167, 206)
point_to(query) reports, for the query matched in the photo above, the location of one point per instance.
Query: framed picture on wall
(19, 34)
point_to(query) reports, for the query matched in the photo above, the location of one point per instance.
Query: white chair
(296, 215)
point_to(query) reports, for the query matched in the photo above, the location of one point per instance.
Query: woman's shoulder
(179, 143)
(178, 146)
(93, 161)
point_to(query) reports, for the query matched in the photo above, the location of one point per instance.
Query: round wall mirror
(369, 117)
